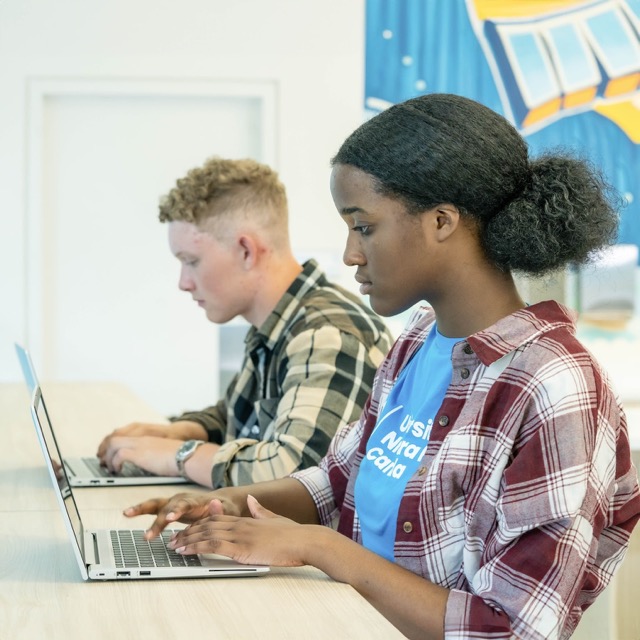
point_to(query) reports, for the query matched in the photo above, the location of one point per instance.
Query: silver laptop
(86, 471)
(123, 554)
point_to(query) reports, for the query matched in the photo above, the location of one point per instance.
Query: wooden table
(43, 596)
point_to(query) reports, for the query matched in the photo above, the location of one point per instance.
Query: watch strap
(186, 450)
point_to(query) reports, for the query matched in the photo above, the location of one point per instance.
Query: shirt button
(464, 373)
(422, 471)
(443, 421)
(467, 349)
(407, 527)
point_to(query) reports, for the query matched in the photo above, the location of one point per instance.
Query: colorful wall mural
(565, 72)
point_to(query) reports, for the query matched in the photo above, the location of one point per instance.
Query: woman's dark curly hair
(534, 216)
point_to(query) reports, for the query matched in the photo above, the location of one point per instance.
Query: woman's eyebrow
(346, 211)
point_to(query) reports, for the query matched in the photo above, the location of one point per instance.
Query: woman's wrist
(325, 549)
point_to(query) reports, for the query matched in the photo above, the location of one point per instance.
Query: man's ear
(248, 249)
(446, 220)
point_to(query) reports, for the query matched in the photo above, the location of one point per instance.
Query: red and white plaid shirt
(526, 496)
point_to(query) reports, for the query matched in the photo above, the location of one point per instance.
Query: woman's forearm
(287, 497)
(411, 603)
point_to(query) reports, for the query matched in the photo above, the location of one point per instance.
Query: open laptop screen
(27, 367)
(57, 471)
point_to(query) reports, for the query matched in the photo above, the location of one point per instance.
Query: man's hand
(180, 430)
(153, 454)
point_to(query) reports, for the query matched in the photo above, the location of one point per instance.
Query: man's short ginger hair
(222, 186)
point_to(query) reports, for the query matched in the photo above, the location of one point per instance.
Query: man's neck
(276, 276)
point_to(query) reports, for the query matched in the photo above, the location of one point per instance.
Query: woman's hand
(183, 507)
(262, 538)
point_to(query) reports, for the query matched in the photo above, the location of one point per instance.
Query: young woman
(487, 489)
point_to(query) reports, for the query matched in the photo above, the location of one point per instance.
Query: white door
(103, 302)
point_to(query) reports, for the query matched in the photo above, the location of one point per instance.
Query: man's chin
(218, 318)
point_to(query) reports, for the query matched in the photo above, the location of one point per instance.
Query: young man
(310, 355)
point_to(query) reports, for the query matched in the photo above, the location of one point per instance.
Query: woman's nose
(352, 255)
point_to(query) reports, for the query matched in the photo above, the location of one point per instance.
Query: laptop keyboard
(128, 470)
(130, 549)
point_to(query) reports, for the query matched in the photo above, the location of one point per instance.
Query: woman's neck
(477, 302)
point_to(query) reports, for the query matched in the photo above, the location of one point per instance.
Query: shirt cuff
(316, 482)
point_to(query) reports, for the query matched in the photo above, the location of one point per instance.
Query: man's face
(211, 270)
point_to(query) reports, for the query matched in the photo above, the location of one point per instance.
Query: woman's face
(390, 248)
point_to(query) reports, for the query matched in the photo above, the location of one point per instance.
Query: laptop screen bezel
(61, 485)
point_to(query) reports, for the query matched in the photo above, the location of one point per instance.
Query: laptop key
(132, 550)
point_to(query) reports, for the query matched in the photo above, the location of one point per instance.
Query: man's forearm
(187, 430)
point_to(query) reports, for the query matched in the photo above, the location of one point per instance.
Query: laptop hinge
(91, 554)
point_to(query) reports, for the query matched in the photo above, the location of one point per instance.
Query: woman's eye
(363, 229)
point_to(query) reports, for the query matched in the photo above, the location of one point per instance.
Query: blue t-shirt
(399, 440)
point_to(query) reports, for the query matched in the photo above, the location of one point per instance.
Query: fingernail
(180, 549)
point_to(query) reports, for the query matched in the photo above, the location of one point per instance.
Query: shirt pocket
(466, 476)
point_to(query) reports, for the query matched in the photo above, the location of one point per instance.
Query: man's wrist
(186, 450)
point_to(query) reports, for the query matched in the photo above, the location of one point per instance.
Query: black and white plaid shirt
(307, 371)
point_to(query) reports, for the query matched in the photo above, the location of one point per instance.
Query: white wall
(311, 54)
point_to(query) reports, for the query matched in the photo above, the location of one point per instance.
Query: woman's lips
(365, 285)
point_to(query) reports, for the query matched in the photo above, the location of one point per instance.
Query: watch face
(186, 448)
(185, 452)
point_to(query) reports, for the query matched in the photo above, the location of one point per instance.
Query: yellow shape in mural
(619, 86)
(499, 9)
(537, 114)
(626, 115)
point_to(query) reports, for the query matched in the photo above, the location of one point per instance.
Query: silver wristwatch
(187, 449)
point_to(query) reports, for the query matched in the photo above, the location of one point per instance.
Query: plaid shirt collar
(506, 335)
(272, 329)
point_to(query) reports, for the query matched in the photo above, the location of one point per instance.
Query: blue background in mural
(422, 46)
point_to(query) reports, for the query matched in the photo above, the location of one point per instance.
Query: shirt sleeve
(327, 482)
(213, 419)
(326, 379)
(566, 508)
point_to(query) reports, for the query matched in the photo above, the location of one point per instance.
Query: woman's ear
(447, 220)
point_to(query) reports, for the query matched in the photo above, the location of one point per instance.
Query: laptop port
(145, 573)
(123, 574)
